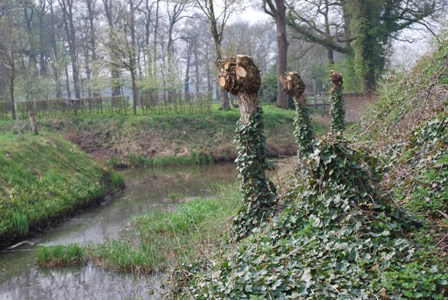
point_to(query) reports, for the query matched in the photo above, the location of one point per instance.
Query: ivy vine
(303, 131)
(258, 191)
(337, 110)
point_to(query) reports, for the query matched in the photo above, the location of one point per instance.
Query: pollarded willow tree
(337, 110)
(241, 77)
(294, 86)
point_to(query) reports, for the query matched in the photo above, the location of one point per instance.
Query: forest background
(159, 51)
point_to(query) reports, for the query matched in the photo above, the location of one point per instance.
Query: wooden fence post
(32, 116)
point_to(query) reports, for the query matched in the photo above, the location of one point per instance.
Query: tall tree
(122, 50)
(277, 9)
(10, 48)
(67, 7)
(114, 71)
(92, 67)
(364, 29)
(218, 18)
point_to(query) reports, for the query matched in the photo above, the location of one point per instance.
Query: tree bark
(11, 91)
(55, 59)
(278, 12)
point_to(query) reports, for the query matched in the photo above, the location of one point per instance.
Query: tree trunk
(187, 70)
(134, 92)
(42, 60)
(11, 91)
(282, 45)
(19, 129)
(67, 83)
(294, 86)
(278, 12)
(55, 63)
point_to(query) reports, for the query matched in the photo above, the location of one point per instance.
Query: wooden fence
(175, 103)
(155, 102)
(151, 103)
(75, 107)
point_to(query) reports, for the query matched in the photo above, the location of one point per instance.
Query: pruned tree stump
(294, 86)
(337, 109)
(241, 77)
(336, 81)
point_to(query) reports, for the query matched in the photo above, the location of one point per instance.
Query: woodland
(53, 49)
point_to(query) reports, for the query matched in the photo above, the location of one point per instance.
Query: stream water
(145, 190)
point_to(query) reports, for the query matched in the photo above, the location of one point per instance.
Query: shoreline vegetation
(159, 239)
(45, 179)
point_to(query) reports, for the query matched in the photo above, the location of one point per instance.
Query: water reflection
(146, 190)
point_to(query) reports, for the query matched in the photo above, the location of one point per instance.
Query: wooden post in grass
(32, 116)
(19, 128)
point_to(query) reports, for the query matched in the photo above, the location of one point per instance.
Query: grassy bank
(43, 179)
(173, 139)
(157, 239)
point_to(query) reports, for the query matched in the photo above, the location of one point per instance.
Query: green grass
(70, 254)
(42, 179)
(171, 139)
(160, 238)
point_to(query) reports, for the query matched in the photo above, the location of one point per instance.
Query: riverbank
(172, 139)
(359, 219)
(45, 179)
(158, 239)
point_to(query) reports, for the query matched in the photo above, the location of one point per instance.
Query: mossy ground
(44, 178)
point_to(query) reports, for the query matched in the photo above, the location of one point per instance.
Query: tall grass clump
(59, 255)
(20, 221)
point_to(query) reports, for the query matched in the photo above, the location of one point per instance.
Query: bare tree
(218, 18)
(11, 45)
(67, 7)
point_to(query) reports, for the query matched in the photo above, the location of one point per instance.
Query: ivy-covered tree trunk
(294, 86)
(337, 110)
(241, 77)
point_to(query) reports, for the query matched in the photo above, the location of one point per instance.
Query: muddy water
(145, 190)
